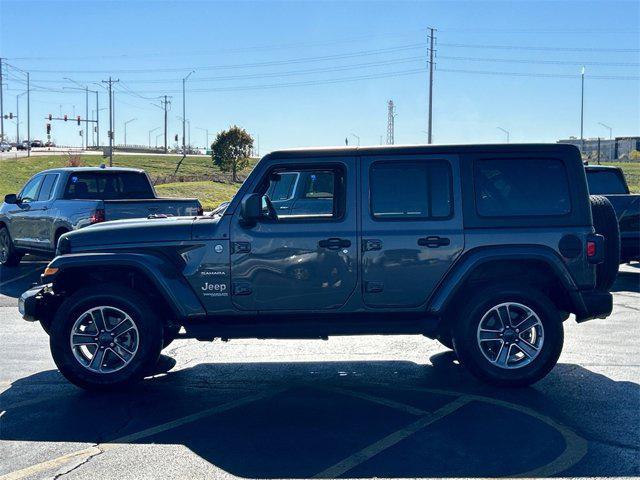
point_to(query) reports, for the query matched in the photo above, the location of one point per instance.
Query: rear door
(411, 227)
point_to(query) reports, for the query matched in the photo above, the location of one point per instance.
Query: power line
(541, 49)
(290, 61)
(540, 62)
(541, 74)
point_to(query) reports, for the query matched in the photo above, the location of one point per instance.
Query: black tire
(605, 223)
(466, 344)
(9, 257)
(149, 328)
(445, 339)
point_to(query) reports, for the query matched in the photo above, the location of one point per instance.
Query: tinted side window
(602, 182)
(46, 191)
(282, 188)
(319, 194)
(30, 191)
(411, 190)
(521, 187)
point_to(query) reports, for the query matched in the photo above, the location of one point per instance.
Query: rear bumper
(32, 304)
(592, 304)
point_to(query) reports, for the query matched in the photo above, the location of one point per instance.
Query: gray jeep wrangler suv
(487, 248)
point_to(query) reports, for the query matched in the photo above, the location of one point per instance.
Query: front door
(411, 227)
(22, 229)
(302, 258)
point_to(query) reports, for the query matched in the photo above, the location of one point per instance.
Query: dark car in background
(609, 181)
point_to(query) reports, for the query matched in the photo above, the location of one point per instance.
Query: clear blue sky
(150, 46)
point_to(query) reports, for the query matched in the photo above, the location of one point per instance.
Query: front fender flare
(164, 275)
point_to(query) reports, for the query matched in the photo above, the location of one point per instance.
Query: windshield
(603, 182)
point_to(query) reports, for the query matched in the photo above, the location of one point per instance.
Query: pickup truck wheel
(105, 337)
(9, 257)
(605, 223)
(508, 336)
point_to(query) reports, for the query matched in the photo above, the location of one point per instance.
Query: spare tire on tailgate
(605, 223)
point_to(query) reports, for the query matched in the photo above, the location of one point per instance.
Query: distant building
(609, 149)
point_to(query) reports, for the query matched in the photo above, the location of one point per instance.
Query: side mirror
(11, 198)
(251, 208)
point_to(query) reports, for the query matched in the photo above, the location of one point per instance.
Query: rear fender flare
(470, 261)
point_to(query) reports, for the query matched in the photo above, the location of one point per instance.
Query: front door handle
(434, 242)
(334, 243)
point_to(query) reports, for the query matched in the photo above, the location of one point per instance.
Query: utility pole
(430, 124)
(391, 115)
(110, 82)
(165, 104)
(1, 104)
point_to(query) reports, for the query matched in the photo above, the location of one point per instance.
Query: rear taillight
(200, 211)
(595, 248)
(98, 216)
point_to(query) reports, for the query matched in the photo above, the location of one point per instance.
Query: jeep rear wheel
(509, 336)
(105, 337)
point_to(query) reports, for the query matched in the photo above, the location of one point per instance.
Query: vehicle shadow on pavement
(352, 419)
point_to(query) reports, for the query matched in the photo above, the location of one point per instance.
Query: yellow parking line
(575, 446)
(382, 401)
(392, 439)
(94, 450)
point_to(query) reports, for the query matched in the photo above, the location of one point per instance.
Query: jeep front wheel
(105, 337)
(508, 336)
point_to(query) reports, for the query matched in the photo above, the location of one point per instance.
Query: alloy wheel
(510, 335)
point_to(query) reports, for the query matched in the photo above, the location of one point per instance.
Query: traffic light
(10, 116)
(50, 117)
(78, 119)
(176, 138)
(65, 117)
(48, 128)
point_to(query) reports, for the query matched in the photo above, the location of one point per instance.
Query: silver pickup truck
(57, 201)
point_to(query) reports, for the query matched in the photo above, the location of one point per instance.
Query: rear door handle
(334, 243)
(371, 244)
(434, 242)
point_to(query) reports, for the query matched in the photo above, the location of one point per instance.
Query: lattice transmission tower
(391, 114)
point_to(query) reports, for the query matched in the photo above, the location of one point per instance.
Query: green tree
(231, 149)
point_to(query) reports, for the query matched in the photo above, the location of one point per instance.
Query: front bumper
(592, 304)
(32, 303)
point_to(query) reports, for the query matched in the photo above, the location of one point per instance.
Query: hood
(137, 230)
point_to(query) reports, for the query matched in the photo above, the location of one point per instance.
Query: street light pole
(125, 129)
(28, 115)
(150, 132)
(184, 114)
(582, 110)
(505, 131)
(356, 137)
(609, 128)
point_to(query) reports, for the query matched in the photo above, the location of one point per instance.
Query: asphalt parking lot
(348, 407)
